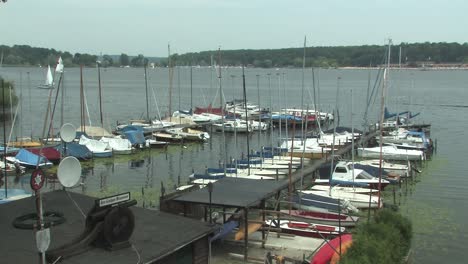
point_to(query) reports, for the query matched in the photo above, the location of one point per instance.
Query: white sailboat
(49, 81)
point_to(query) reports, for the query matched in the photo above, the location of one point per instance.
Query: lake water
(437, 203)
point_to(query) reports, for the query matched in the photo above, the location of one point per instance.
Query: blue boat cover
(286, 117)
(221, 170)
(131, 128)
(30, 158)
(374, 171)
(225, 230)
(317, 201)
(207, 176)
(76, 150)
(253, 161)
(135, 137)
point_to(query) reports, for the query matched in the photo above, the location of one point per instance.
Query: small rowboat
(329, 218)
(306, 229)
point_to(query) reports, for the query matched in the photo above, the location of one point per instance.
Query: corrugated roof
(234, 192)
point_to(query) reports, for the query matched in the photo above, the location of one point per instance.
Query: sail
(49, 79)
(59, 67)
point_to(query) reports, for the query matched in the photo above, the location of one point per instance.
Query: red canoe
(326, 252)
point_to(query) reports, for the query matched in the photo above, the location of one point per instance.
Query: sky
(148, 26)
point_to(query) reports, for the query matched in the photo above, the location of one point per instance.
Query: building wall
(194, 253)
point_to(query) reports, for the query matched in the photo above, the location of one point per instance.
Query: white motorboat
(356, 199)
(390, 153)
(189, 134)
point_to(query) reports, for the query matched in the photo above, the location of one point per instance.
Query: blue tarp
(221, 170)
(252, 161)
(313, 200)
(76, 150)
(131, 128)
(286, 117)
(225, 230)
(30, 158)
(135, 137)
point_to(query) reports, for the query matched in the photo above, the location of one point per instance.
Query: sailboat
(49, 81)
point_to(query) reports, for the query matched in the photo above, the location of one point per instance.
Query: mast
(222, 110)
(271, 107)
(4, 137)
(279, 105)
(178, 91)
(260, 114)
(146, 90)
(382, 113)
(82, 104)
(29, 101)
(352, 134)
(246, 118)
(191, 88)
(302, 91)
(62, 101)
(398, 87)
(338, 82)
(100, 93)
(171, 73)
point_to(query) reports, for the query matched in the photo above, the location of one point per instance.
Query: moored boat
(328, 218)
(29, 160)
(306, 229)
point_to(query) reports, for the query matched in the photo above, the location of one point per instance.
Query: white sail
(59, 67)
(49, 79)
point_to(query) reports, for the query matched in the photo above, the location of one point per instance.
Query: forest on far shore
(412, 55)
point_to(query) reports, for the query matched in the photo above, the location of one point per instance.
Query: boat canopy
(135, 136)
(76, 150)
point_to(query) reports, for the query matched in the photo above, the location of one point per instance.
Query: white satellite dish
(69, 171)
(68, 132)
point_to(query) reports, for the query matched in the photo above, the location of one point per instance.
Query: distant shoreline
(463, 68)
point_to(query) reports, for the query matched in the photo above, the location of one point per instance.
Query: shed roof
(234, 192)
(156, 233)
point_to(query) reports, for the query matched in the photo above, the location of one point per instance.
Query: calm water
(437, 204)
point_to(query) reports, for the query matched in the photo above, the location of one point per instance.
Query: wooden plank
(250, 229)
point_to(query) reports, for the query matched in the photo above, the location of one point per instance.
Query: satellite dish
(68, 132)
(69, 171)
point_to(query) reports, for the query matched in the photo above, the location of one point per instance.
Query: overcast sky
(147, 26)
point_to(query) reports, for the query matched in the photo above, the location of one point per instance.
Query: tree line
(24, 55)
(412, 54)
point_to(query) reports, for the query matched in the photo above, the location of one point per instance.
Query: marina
(158, 172)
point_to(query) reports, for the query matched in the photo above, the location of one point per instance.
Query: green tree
(124, 59)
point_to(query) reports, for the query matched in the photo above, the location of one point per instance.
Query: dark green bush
(386, 239)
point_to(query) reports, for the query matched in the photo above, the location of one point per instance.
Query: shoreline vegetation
(427, 55)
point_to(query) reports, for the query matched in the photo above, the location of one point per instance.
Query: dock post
(263, 220)
(246, 231)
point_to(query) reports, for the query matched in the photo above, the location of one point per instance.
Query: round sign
(37, 179)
